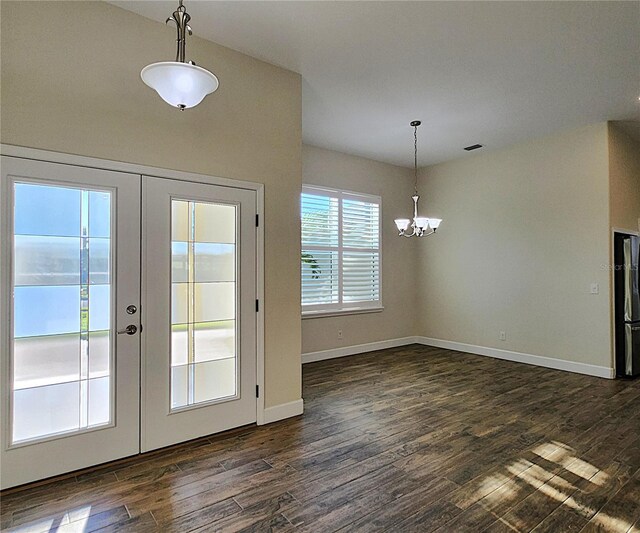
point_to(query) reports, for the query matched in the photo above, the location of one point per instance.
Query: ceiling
(493, 73)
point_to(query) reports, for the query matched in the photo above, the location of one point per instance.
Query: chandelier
(180, 83)
(421, 226)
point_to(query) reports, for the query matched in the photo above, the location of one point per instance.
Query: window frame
(341, 307)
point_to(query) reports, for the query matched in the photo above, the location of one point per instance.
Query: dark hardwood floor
(407, 439)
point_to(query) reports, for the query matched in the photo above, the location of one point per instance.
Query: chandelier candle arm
(180, 83)
(420, 226)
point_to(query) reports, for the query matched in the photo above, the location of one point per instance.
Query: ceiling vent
(473, 147)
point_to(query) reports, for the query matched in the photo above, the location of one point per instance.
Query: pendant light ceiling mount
(420, 226)
(180, 83)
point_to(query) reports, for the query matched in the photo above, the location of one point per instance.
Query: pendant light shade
(402, 224)
(181, 85)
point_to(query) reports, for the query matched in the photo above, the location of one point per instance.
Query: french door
(123, 329)
(70, 256)
(200, 279)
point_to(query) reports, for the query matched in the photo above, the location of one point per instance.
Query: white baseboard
(529, 359)
(311, 357)
(518, 357)
(282, 411)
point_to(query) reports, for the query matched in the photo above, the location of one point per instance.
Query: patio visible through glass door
(203, 302)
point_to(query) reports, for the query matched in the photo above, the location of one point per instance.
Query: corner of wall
(281, 411)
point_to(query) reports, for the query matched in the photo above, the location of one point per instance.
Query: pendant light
(180, 83)
(420, 226)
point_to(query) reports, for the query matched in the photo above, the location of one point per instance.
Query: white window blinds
(340, 250)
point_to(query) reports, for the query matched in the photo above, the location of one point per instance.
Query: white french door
(70, 269)
(128, 314)
(199, 264)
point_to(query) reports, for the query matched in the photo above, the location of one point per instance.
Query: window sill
(353, 311)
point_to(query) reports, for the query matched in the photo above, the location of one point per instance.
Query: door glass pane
(179, 387)
(99, 307)
(214, 301)
(46, 310)
(98, 401)
(99, 214)
(179, 258)
(48, 410)
(214, 262)
(62, 290)
(179, 345)
(214, 340)
(214, 222)
(214, 379)
(60, 352)
(47, 260)
(180, 220)
(179, 303)
(45, 210)
(99, 260)
(99, 354)
(203, 302)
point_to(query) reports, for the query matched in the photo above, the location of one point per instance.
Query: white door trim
(133, 168)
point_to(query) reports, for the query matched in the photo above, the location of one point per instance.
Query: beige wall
(399, 272)
(624, 176)
(71, 83)
(525, 233)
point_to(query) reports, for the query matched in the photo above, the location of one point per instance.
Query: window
(340, 251)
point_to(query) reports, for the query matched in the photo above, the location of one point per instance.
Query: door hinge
(257, 391)
(257, 306)
(257, 220)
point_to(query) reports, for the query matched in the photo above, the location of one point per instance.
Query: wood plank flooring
(406, 439)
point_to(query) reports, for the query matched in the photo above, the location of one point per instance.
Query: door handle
(129, 330)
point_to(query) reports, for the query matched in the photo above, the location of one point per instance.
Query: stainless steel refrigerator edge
(627, 305)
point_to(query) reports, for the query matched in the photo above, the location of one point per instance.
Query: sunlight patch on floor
(610, 523)
(73, 521)
(491, 483)
(551, 484)
(38, 526)
(564, 455)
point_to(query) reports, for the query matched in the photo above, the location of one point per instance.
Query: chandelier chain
(415, 158)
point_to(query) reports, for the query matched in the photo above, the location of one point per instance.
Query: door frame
(143, 170)
(612, 288)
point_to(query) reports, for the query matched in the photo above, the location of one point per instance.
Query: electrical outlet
(340, 334)
(595, 288)
(503, 335)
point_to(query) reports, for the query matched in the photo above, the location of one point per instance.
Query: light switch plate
(595, 288)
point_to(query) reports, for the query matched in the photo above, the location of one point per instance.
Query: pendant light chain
(415, 157)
